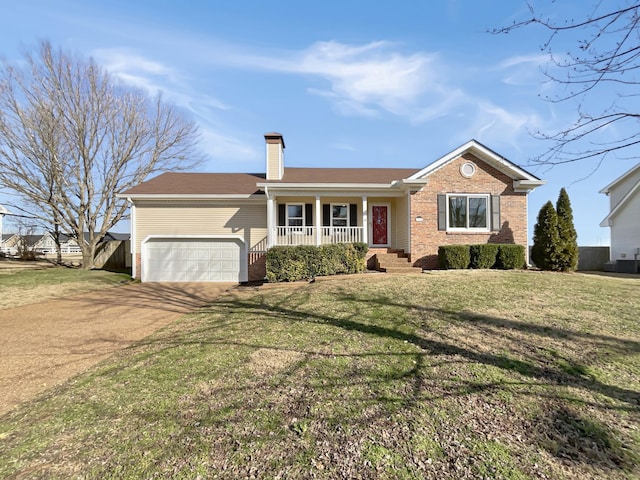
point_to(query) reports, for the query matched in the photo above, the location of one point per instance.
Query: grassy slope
(23, 287)
(448, 375)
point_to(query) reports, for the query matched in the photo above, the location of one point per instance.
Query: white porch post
(365, 221)
(318, 221)
(270, 220)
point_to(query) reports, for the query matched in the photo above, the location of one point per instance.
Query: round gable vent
(467, 169)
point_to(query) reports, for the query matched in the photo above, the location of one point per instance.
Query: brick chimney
(275, 155)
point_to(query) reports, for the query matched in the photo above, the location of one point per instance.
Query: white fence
(308, 235)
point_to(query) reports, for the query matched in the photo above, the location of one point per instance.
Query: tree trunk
(56, 239)
(88, 255)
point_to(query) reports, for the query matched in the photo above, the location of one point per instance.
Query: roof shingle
(245, 183)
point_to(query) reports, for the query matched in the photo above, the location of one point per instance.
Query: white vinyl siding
(274, 161)
(625, 231)
(193, 218)
(400, 237)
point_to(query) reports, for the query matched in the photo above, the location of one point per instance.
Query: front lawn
(22, 287)
(461, 374)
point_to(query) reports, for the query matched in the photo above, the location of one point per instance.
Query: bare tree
(71, 138)
(603, 52)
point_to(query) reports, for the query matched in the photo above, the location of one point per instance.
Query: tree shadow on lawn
(571, 374)
(586, 440)
(170, 297)
(582, 435)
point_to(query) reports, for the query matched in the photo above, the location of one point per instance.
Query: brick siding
(257, 266)
(425, 236)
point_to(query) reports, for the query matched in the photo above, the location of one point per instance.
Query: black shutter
(308, 218)
(353, 215)
(442, 212)
(282, 215)
(326, 215)
(495, 213)
(308, 214)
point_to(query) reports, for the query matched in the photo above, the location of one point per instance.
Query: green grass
(58, 275)
(23, 287)
(450, 375)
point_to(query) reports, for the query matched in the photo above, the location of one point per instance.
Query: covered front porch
(326, 219)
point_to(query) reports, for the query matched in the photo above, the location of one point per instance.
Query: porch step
(395, 261)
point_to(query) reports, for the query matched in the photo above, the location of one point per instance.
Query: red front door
(379, 230)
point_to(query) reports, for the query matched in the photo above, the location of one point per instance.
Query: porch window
(467, 212)
(339, 215)
(295, 215)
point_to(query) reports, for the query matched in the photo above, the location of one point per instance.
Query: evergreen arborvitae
(568, 260)
(546, 241)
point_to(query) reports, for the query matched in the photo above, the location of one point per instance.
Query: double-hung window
(295, 216)
(468, 212)
(339, 215)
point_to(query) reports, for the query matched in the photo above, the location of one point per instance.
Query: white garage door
(192, 260)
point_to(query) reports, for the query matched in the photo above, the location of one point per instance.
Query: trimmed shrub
(453, 256)
(510, 257)
(483, 255)
(293, 263)
(361, 249)
(331, 258)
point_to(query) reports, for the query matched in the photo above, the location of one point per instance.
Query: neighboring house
(8, 245)
(41, 243)
(45, 242)
(624, 215)
(218, 226)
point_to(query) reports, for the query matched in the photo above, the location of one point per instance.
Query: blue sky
(348, 84)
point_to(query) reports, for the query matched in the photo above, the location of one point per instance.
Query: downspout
(132, 228)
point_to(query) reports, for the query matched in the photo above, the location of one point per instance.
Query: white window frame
(487, 198)
(298, 228)
(347, 218)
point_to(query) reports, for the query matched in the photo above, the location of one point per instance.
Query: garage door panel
(186, 260)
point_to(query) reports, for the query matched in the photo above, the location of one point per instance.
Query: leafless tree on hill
(71, 138)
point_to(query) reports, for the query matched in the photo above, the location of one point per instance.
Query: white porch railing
(309, 235)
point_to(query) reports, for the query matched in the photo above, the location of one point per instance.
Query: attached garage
(194, 259)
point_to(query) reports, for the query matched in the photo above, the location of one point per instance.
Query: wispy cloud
(374, 79)
(496, 125)
(156, 78)
(522, 69)
(368, 79)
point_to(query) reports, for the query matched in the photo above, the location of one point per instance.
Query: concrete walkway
(44, 344)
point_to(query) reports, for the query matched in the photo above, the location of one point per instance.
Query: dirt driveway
(44, 344)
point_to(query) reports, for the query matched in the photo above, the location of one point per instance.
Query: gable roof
(33, 240)
(244, 185)
(606, 190)
(633, 191)
(630, 194)
(523, 180)
(116, 236)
